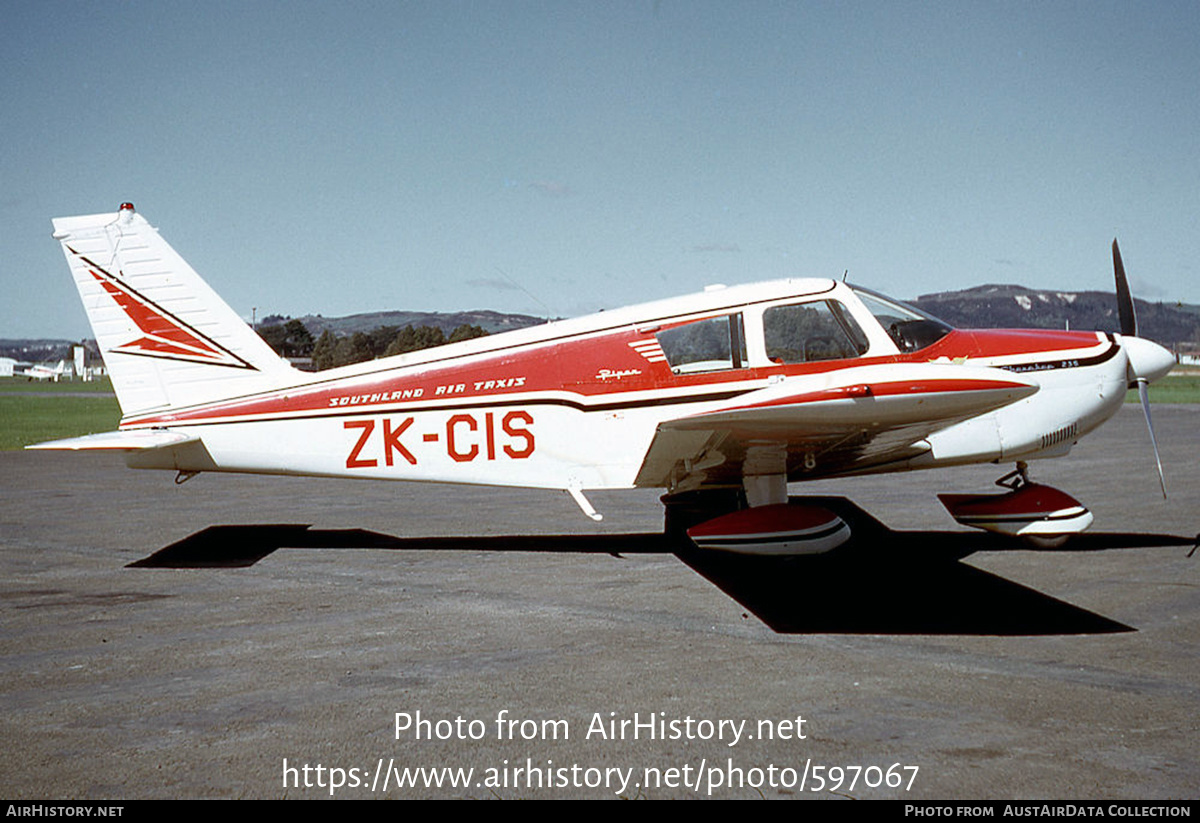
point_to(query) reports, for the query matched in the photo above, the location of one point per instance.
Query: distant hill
(989, 306)
(1010, 306)
(490, 321)
(981, 307)
(44, 350)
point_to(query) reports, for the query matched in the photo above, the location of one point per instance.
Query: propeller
(1143, 358)
(1124, 298)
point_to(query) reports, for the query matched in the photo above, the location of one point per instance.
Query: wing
(834, 423)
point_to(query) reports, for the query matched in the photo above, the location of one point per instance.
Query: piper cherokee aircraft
(720, 398)
(40, 372)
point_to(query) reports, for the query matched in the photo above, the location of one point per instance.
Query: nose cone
(1147, 360)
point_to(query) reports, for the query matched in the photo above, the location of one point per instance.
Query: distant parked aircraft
(39, 372)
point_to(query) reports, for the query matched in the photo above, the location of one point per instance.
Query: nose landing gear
(1041, 515)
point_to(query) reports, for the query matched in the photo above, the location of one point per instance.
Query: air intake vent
(1062, 435)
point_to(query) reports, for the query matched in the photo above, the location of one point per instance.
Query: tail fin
(167, 339)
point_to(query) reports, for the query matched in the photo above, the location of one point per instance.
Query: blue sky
(347, 157)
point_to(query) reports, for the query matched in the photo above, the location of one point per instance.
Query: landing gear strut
(1016, 478)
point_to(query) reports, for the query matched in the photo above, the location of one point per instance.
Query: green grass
(1174, 388)
(32, 419)
(20, 385)
(32, 412)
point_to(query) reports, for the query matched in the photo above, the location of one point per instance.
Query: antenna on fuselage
(525, 291)
(844, 274)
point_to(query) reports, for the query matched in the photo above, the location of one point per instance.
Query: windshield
(911, 329)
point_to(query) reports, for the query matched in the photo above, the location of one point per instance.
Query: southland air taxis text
(417, 393)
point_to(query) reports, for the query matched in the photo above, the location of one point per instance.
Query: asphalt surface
(300, 628)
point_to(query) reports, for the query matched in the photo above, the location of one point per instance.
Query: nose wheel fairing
(1029, 510)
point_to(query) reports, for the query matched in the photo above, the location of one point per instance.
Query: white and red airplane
(40, 372)
(721, 398)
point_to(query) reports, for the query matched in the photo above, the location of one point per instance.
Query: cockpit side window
(807, 332)
(705, 345)
(910, 329)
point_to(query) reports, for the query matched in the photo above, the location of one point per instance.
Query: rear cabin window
(705, 345)
(806, 332)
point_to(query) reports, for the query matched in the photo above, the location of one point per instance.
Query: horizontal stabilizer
(121, 441)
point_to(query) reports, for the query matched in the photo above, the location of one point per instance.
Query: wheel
(1046, 541)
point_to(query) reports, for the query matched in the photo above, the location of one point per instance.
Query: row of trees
(290, 339)
(293, 339)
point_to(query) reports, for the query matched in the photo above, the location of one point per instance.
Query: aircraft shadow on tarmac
(881, 581)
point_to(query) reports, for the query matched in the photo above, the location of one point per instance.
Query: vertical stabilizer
(167, 339)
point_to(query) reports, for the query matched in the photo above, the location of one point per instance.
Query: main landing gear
(757, 520)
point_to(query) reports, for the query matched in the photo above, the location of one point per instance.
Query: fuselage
(576, 403)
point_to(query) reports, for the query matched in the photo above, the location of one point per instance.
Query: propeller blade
(1144, 394)
(1124, 298)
